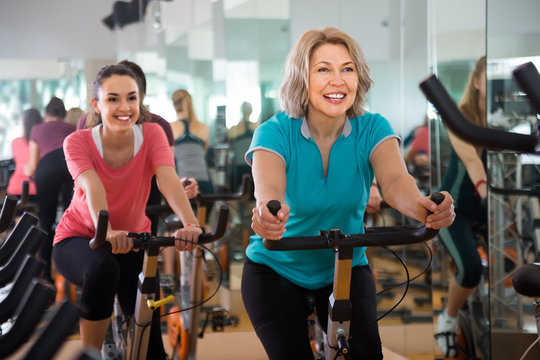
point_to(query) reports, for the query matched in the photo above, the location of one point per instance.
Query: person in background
(20, 148)
(73, 115)
(418, 153)
(326, 139)
(112, 163)
(465, 179)
(47, 165)
(239, 138)
(191, 139)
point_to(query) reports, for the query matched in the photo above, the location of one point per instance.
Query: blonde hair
(182, 101)
(294, 97)
(470, 104)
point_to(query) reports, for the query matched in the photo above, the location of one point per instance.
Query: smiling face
(333, 82)
(117, 102)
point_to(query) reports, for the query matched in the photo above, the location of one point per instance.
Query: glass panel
(512, 39)
(457, 36)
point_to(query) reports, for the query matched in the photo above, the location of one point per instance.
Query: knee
(103, 272)
(471, 275)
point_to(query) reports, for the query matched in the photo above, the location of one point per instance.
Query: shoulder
(79, 139)
(150, 127)
(79, 136)
(281, 121)
(19, 140)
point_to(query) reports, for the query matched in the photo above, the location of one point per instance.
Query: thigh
(364, 337)
(130, 265)
(95, 271)
(276, 309)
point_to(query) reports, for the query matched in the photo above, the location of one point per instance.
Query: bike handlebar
(494, 139)
(528, 79)
(8, 211)
(333, 239)
(206, 198)
(145, 240)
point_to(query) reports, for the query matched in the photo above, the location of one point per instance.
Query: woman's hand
(268, 226)
(442, 215)
(120, 242)
(186, 237)
(192, 189)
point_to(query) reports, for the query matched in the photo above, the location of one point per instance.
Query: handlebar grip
(437, 198)
(187, 183)
(25, 193)
(528, 79)
(101, 230)
(273, 206)
(221, 227)
(7, 212)
(489, 138)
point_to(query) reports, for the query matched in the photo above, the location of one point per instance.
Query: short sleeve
(273, 136)
(380, 131)
(158, 147)
(77, 150)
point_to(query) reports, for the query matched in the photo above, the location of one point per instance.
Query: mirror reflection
(511, 41)
(460, 264)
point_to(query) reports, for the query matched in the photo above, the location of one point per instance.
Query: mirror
(457, 269)
(512, 34)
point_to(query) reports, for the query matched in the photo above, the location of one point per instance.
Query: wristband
(192, 225)
(480, 182)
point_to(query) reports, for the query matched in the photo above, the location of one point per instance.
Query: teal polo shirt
(318, 202)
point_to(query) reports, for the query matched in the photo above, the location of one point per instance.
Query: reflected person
(465, 179)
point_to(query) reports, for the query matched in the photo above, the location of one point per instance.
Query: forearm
(171, 187)
(402, 194)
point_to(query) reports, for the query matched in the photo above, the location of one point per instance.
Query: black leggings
(460, 242)
(101, 275)
(278, 313)
(53, 182)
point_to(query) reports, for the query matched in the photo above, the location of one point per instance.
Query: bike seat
(526, 280)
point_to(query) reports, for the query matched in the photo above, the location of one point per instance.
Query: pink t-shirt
(21, 156)
(127, 187)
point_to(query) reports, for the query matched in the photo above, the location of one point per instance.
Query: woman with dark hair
(48, 167)
(20, 148)
(112, 164)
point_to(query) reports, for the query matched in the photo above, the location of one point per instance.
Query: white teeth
(123, 117)
(335, 96)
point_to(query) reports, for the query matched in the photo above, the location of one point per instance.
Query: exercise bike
(132, 336)
(335, 342)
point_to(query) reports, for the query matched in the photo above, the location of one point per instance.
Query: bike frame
(340, 308)
(192, 265)
(136, 342)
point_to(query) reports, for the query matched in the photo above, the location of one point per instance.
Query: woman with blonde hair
(465, 179)
(191, 139)
(326, 139)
